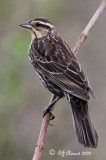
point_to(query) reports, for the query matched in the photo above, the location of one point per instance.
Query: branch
(46, 119)
(43, 131)
(85, 32)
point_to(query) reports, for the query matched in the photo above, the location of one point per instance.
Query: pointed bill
(26, 25)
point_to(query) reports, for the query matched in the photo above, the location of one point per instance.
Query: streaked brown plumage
(61, 73)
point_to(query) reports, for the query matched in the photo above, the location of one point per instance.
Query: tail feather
(85, 130)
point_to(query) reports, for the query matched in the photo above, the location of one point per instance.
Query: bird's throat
(32, 33)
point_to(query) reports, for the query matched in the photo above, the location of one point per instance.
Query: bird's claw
(52, 116)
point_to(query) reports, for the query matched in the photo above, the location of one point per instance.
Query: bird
(61, 73)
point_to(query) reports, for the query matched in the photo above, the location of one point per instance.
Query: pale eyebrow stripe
(43, 23)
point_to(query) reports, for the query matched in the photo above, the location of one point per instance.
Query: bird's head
(39, 27)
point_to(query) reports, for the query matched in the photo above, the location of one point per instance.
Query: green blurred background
(22, 96)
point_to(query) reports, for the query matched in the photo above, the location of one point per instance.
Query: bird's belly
(44, 79)
(49, 84)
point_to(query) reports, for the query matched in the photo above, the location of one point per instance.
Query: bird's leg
(48, 109)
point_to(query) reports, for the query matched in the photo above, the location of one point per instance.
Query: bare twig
(45, 122)
(40, 142)
(85, 32)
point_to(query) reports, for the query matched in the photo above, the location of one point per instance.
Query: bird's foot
(52, 116)
(48, 109)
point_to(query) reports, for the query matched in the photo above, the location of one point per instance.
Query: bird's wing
(63, 69)
(69, 78)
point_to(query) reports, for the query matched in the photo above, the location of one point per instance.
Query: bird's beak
(26, 25)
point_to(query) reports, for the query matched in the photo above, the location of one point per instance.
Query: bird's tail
(85, 130)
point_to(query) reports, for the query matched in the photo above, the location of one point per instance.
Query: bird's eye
(38, 24)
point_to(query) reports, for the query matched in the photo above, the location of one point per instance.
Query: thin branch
(43, 131)
(45, 122)
(85, 32)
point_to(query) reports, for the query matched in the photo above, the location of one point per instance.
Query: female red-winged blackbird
(61, 73)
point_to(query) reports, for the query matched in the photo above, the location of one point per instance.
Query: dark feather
(63, 82)
(85, 130)
(71, 69)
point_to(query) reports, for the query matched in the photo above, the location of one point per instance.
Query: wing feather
(60, 79)
(68, 76)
